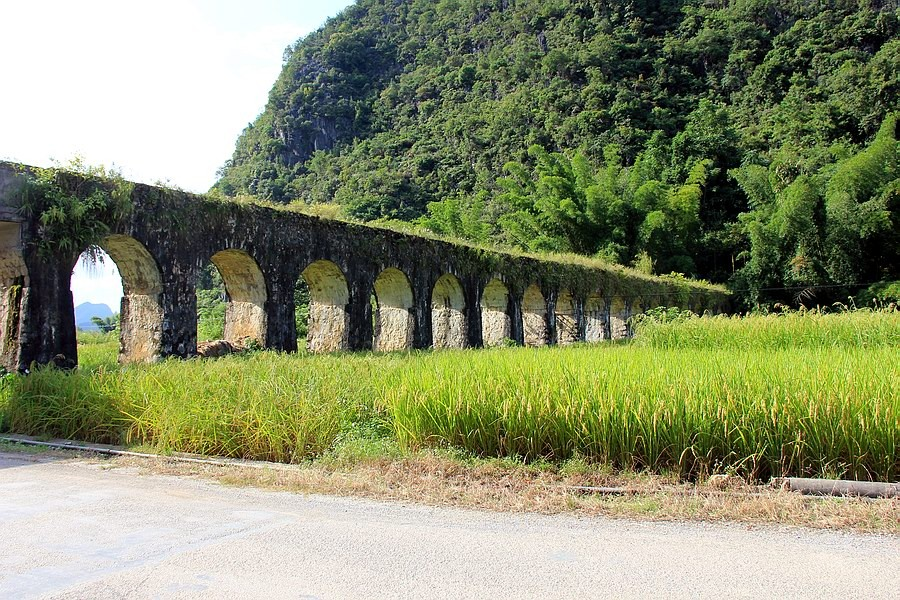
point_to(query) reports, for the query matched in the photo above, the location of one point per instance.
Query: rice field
(761, 396)
(759, 413)
(809, 329)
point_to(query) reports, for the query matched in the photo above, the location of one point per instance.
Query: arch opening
(394, 323)
(141, 313)
(122, 273)
(495, 321)
(448, 319)
(534, 317)
(321, 300)
(596, 326)
(237, 280)
(566, 324)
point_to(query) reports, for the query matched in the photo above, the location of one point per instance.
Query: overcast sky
(161, 90)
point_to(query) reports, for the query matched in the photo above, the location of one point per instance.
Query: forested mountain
(736, 140)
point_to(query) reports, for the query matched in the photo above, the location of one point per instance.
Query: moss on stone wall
(181, 232)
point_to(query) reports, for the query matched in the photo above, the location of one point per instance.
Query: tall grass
(811, 329)
(787, 395)
(98, 350)
(264, 406)
(759, 412)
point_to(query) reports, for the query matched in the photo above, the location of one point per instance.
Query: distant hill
(697, 137)
(85, 311)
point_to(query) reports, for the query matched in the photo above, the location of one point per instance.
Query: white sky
(160, 90)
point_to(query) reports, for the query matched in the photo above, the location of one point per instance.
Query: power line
(767, 289)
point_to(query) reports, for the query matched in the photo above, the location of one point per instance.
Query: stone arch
(141, 312)
(619, 313)
(394, 323)
(245, 285)
(448, 318)
(13, 282)
(329, 320)
(495, 321)
(534, 316)
(596, 326)
(566, 324)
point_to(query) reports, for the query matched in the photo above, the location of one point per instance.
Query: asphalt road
(75, 529)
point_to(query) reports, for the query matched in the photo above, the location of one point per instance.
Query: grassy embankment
(799, 394)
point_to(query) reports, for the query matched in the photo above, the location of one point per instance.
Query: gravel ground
(76, 529)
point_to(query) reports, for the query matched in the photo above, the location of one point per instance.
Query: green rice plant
(263, 406)
(760, 412)
(93, 338)
(98, 350)
(809, 329)
(761, 396)
(57, 404)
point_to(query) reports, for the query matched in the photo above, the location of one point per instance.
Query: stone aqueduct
(370, 288)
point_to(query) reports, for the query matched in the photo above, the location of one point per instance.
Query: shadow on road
(11, 459)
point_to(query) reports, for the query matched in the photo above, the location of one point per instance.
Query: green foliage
(107, 324)
(836, 226)
(413, 109)
(882, 293)
(74, 212)
(461, 217)
(301, 308)
(211, 305)
(622, 214)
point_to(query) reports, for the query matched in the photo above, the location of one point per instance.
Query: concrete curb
(113, 451)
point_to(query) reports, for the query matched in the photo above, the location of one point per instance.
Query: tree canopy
(747, 141)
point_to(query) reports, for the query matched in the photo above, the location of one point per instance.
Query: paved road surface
(76, 530)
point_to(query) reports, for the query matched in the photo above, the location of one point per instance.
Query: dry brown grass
(492, 485)
(435, 479)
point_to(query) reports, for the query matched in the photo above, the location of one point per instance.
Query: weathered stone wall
(596, 319)
(534, 317)
(495, 317)
(619, 313)
(393, 329)
(140, 323)
(162, 244)
(566, 319)
(328, 328)
(141, 315)
(448, 319)
(245, 315)
(13, 282)
(394, 324)
(245, 322)
(329, 321)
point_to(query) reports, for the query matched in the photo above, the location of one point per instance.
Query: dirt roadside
(436, 479)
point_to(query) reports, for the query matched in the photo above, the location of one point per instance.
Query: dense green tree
(106, 324)
(412, 109)
(838, 227)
